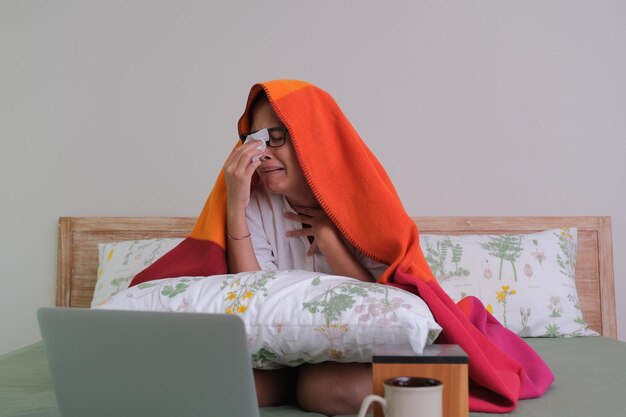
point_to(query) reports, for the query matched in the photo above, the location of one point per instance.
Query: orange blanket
(358, 196)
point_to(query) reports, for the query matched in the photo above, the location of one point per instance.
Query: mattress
(590, 381)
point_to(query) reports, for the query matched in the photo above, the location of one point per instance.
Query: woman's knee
(333, 388)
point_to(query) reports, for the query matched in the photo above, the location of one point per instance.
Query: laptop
(110, 363)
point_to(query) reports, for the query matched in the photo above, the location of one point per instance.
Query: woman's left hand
(328, 239)
(322, 228)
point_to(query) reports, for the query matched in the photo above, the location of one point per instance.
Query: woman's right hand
(238, 171)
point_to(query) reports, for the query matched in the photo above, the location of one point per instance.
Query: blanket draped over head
(357, 195)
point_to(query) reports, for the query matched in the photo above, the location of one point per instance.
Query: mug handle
(367, 401)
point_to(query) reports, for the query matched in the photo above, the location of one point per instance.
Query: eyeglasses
(278, 137)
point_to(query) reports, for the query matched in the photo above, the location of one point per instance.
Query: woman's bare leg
(333, 388)
(275, 387)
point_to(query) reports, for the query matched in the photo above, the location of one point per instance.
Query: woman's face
(279, 170)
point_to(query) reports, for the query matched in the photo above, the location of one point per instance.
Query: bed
(590, 371)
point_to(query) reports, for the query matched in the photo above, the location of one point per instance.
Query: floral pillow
(526, 281)
(295, 317)
(119, 262)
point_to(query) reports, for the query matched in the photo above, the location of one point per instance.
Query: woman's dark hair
(261, 95)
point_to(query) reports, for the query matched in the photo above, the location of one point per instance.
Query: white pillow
(294, 317)
(119, 262)
(526, 281)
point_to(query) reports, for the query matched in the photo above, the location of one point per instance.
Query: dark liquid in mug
(412, 382)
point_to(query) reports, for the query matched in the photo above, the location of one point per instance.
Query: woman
(325, 203)
(280, 226)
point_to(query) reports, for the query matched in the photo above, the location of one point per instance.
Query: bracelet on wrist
(237, 238)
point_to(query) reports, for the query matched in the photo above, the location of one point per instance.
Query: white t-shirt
(275, 251)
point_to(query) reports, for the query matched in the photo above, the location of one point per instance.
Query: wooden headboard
(79, 238)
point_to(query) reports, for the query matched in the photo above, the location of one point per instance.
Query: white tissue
(262, 136)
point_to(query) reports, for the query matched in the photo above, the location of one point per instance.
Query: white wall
(474, 107)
